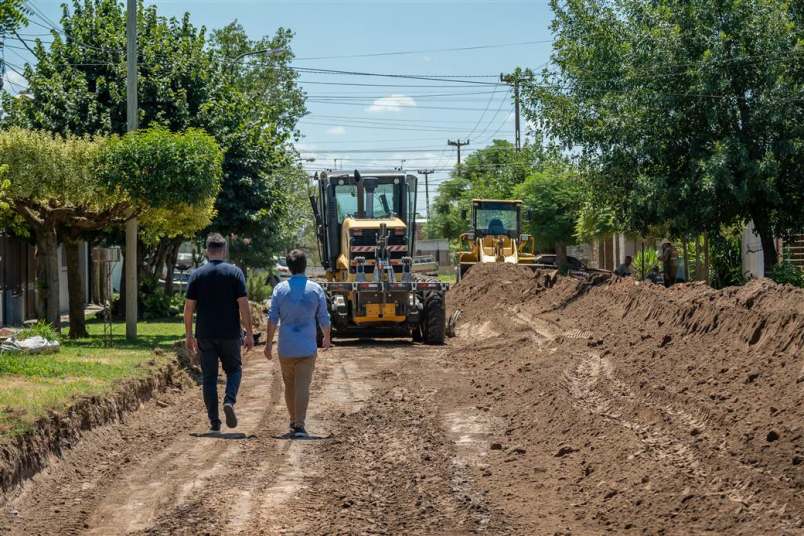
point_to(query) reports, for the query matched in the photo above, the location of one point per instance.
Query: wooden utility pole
(458, 144)
(131, 225)
(427, 173)
(513, 80)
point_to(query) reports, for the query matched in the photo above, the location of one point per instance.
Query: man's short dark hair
(297, 261)
(216, 242)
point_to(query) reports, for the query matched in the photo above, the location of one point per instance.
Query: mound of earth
(642, 409)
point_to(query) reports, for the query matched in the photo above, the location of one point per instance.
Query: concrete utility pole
(427, 173)
(131, 225)
(513, 80)
(458, 144)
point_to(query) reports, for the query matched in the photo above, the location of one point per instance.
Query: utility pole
(427, 173)
(131, 225)
(336, 162)
(513, 80)
(458, 144)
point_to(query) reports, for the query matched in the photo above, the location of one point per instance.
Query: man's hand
(326, 344)
(192, 344)
(269, 350)
(248, 341)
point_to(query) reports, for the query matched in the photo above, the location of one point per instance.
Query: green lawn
(32, 385)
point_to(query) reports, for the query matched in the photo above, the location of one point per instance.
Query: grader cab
(496, 236)
(366, 235)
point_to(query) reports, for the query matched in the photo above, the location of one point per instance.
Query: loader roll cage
(496, 218)
(369, 196)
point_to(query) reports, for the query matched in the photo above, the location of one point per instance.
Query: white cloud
(336, 131)
(391, 103)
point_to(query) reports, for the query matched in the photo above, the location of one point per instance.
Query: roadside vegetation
(31, 386)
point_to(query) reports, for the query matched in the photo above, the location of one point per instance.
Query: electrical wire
(425, 51)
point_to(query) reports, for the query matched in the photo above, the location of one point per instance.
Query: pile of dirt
(647, 409)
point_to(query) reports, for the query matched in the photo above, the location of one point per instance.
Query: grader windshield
(496, 218)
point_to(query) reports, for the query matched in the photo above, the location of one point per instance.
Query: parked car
(279, 273)
(550, 259)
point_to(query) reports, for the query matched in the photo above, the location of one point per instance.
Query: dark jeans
(228, 351)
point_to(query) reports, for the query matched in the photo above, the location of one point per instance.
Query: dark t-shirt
(215, 287)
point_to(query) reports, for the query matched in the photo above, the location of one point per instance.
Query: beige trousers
(297, 374)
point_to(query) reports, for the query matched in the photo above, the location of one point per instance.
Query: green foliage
(258, 290)
(555, 196)
(13, 14)
(40, 329)
(154, 302)
(492, 173)
(787, 273)
(593, 221)
(650, 259)
(681, 112)
(159, 168)
(78, 84)
(725, 257)
(55, 171)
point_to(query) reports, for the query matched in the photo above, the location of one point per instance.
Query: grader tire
(435, 327)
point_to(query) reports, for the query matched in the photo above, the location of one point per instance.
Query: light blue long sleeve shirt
(296, 306)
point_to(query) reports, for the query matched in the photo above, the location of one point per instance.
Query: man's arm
(189, 309)
(323, 320)
(269, 340)
(273, 322)
(245, 317)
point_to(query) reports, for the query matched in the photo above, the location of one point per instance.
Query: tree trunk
(706, 257)
(41, 279)
(686, 260)
(172, 257)
(561, 255)
(48, 243)
(769, 256)
(75, 289)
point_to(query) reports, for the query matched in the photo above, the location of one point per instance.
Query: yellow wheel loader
(496, 236)
(366, 234)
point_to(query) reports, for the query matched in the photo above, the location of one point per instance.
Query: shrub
(41, 329)
(787, 273)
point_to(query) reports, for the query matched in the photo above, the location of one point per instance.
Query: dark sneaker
(214, 428)
(231, 418)
(299, 432)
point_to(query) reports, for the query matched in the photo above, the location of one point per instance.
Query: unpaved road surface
(563, 407)
(384, 458)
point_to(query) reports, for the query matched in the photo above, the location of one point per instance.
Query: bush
(651, 259)
(787, 273)
(155, 303)
(258, 290)
(40, 329)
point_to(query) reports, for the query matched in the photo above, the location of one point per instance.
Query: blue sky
(353, 123)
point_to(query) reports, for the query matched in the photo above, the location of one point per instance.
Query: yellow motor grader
(366, 234)
(496, 236)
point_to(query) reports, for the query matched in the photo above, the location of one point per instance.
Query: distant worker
(297, 306)
(624, 269)
(668, 258)
(217, 294)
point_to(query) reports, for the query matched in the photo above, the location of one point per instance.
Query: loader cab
(353, 208)
(496, 218)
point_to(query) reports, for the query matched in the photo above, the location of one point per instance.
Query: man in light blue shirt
(298, 309)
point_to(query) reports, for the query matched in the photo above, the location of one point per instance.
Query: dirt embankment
(25, 455)
(640, 408)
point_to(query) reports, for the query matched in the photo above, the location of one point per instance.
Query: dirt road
(379, 461)
(574, 408)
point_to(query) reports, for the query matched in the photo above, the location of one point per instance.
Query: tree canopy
(681, 112)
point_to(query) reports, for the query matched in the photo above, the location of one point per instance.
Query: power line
(426, 51)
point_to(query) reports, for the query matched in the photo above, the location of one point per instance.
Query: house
(18, 284)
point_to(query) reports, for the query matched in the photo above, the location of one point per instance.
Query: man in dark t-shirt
(217, 294)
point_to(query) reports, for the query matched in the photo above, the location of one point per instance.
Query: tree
(253, 114)
(681, 112)
(13, 14)
(492, 172)
(554, 195)
(53, 186)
